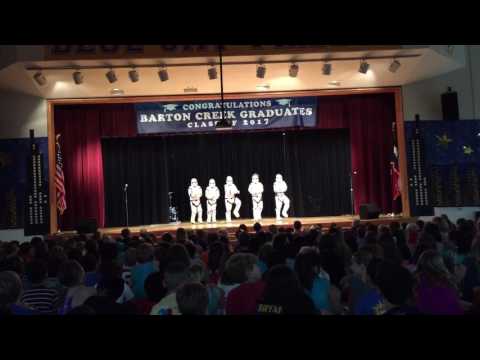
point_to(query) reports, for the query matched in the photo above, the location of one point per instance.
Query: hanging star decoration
(443, 140)
(467, 150)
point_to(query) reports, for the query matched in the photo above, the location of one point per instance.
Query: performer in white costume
(231, 198)
(212, 193)
(280, 188)
(256, 190)
(195, 193)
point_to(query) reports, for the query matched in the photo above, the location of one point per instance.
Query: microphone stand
(125, 190)
(352, 199)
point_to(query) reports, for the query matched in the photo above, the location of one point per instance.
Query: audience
(429, 268)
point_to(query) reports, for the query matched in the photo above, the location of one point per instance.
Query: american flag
(59, 179)
(394, 170)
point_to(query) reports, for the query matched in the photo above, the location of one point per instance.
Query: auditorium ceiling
(188, 75)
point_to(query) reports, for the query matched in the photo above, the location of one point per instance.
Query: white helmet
(211, 182)
(278, 177)
(193, 182)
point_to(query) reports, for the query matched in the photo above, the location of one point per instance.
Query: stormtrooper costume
(279, 188)
(195, 193)
(256, 190)
(231, 198)
(212, 193)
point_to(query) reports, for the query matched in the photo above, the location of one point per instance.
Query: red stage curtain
(369, 119)
(81, 128)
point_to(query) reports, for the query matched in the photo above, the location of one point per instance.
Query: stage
(344, 221)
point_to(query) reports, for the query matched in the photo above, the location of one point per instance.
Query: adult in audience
(436, 291)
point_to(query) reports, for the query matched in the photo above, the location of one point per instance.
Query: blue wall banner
(451, 151)
(201, 116)
(14, 179)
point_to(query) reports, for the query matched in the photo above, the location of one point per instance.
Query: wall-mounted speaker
(87, 226)
(450, 105)
(369, 211)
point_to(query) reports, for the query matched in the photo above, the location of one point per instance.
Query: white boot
(228, 217)
(278, 215)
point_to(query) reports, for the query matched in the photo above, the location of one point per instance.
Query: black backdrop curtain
(314, 163)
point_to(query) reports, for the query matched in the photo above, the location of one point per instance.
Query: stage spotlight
(394, 66)
(261, 70)
(163, 74)
(40, 78)
(133, 75)
(293, 72)
(364, 66)
(111, 76)
(327, 69)
(212, 72)
(77, 77)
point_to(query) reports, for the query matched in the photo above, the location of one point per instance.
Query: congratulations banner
(196, 116)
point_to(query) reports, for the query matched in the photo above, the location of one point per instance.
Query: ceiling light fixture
(163, 74)
(212, 72)
(77, 77)
(394, 66)
(133, 75)
(327, 69)
(40, 78)
(364, 66)
(293, 71)
(111, 76)
(261, 70)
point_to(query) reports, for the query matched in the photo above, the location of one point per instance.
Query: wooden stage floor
(341, 221)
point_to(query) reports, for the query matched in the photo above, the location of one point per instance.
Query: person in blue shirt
(140, 272)
(307, 267)
(371, 302)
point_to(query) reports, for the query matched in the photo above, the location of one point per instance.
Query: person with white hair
(231, 192)
(256, 190)
(195, 193)
(281, 200)
(212, 193)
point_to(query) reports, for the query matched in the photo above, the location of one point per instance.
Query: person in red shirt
(243, 299)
